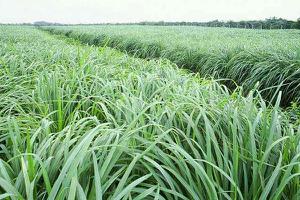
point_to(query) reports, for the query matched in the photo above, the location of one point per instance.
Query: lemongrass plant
(270, 57)
(80, 122)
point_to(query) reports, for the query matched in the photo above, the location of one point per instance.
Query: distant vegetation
(270, 23)
(44, 23)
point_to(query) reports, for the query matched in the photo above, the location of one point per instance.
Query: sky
(112, 11)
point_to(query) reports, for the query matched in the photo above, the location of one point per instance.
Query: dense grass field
(86, 122)
(242, 57)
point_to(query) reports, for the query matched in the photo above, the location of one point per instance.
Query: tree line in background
(270, 23)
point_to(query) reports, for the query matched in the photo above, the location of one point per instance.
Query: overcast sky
(93, 11)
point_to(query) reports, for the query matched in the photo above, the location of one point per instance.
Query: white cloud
(93, 11)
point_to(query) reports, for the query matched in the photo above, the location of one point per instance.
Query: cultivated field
(86, 122)
(245, 57)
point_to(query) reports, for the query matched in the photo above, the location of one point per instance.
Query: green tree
(298, 23)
